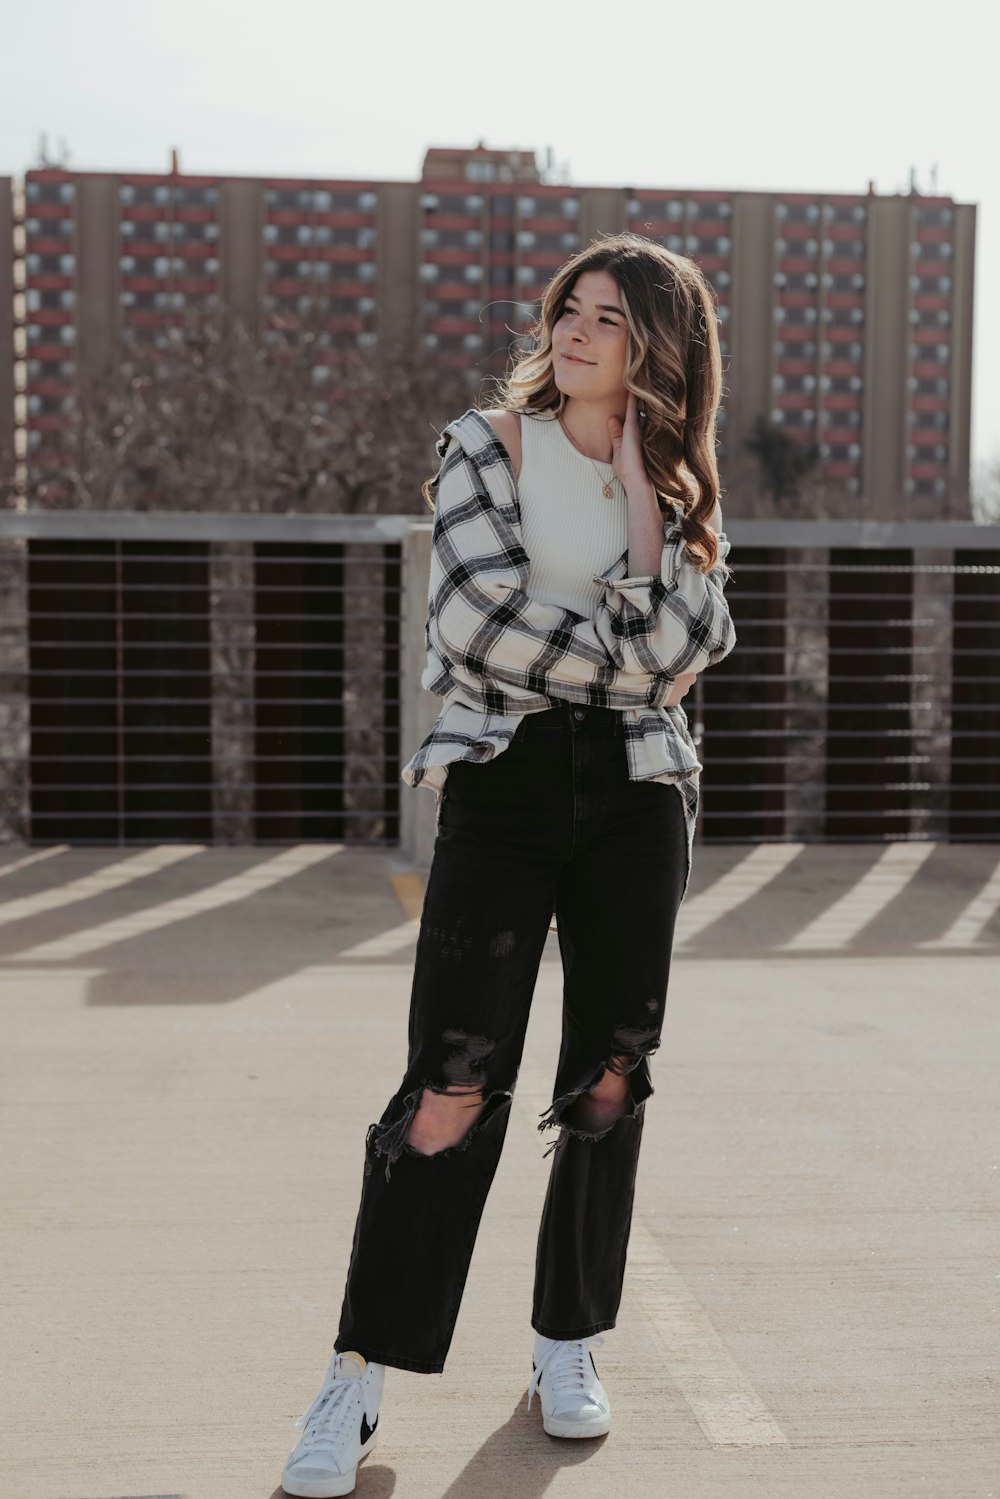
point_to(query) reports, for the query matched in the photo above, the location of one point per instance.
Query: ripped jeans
(552, 823)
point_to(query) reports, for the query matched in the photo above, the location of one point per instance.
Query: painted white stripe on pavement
(242, 886)
(722, 1399)
(840, 923)
(43, 853)
(759, 867)
(98, 882)
(968, 926)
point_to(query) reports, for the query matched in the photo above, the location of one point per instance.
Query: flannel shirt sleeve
(676, 622)
(484, 622)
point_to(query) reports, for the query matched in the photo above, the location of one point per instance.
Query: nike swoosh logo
(366, 1430)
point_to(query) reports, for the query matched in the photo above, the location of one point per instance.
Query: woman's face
(590, 340)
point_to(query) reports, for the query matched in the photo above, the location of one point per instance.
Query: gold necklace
(607, 485)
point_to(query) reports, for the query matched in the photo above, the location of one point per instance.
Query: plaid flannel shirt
(495, 654)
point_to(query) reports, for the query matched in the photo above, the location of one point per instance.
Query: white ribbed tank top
(570, 530)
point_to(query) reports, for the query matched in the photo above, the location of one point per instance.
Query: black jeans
(552, 823)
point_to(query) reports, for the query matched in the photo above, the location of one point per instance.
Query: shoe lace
(325, 1417)
(568, 1363)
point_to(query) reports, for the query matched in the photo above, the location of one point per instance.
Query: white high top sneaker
(574, 1402)
(340, 1430)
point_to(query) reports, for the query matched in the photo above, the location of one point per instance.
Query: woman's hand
(626, 446)
(682, 684)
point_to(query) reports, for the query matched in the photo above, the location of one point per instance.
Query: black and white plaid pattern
(495, 654)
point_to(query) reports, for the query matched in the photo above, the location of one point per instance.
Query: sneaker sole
(333, 1487)
(557, 1428)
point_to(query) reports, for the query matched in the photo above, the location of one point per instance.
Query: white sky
(724, 95)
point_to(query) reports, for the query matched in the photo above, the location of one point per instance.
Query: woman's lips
(575, 359)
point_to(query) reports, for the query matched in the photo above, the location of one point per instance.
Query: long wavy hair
(673, 364)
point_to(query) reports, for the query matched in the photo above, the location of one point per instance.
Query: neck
(587, 424)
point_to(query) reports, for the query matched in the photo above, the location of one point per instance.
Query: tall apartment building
(845, 319)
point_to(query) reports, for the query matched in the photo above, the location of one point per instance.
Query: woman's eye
(571, 311)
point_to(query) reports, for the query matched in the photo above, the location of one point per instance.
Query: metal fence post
(418, 707)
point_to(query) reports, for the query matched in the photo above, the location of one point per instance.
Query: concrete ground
(195, 1041)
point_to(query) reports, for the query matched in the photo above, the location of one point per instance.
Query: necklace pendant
(608, 491)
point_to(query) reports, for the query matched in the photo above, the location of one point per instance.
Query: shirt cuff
(671, 539)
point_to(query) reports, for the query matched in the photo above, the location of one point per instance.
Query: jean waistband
(577, 716)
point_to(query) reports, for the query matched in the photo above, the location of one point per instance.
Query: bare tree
(219, 420)
(783, 465)
(985, 494)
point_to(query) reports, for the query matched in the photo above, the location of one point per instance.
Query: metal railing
(248, 678)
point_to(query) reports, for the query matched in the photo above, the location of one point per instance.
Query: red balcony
(49, 246)
(796, 366)
(51, 317)
(48, 281)
(48, 422)
(841, 468)
(49, 210)
(461, 221)
(50, 387)
(939, 370)
(448, 256)
(545, 261)
(929, 403)
(794, 400)
(454, 326)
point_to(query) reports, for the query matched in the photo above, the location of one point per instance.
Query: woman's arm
(675, 622)
(675, 619)
(481, 619)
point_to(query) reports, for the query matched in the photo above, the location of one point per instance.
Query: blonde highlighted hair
(673, 365)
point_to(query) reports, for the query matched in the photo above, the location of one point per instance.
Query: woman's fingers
(682, 684)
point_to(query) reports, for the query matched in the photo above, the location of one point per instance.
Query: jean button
(577, 712)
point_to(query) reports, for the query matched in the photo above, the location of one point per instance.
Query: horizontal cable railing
(239, 678)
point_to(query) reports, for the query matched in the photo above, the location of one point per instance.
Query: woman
(576, 590)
